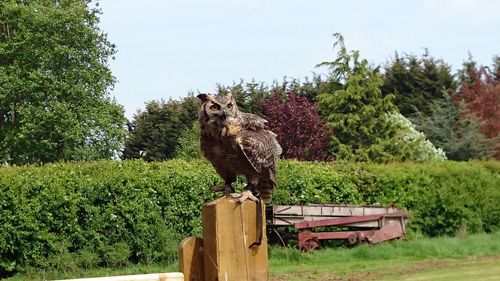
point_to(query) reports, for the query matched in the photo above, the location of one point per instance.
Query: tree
(154, 133)
(301, 132)
(458, 134)
(467, 74)
(54, 84)
(417, 82)
(312, 88)
(496, 68)
(189, 143)
(249, 96)
(480, 93)
(365, 129)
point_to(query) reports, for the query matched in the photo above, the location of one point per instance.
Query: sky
(168, 48)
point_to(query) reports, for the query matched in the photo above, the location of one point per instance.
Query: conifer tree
(154, 133)
(416, 82)
(359, 113)
(448, 127)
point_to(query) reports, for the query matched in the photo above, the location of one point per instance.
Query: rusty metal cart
(354, 224)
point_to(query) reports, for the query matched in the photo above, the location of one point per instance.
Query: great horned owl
(238, 143)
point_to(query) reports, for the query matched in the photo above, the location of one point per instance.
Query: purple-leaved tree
(481, 96)
(301, 132)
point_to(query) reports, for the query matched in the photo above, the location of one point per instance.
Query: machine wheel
(309, 244)
(352, 239)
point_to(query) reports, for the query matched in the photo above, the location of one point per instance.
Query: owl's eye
(214, 107)
(229, 105)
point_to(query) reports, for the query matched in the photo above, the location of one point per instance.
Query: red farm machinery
(319, 222)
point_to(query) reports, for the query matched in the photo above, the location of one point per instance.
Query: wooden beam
(170, 276)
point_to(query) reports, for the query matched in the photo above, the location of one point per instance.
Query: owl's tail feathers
(266, 195)
(265, 189)
(267, 182)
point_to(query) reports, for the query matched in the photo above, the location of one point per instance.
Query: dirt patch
(414, 268)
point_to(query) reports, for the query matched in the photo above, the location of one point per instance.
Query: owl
(238, 143)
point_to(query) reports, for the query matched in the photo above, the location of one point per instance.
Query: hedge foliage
(113, 213)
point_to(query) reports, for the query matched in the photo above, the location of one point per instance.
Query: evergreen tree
(417, 82)
(189, 143)
(358, 113)
(249, 96)
(459, 135)
(154, 133)
(496, 68)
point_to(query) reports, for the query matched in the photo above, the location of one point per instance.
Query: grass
(377, 261)
(34, 274)
(478, 269)
(472, 257)
(475, 268)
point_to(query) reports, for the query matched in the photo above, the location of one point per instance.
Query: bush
(420, 148)
(101, 213)
(114, 213)
(443, 197)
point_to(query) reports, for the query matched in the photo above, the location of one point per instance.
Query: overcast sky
(167, 48)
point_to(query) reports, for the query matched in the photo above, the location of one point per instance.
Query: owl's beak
(224, 118)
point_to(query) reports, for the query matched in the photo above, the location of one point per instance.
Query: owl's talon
(234, 195)
(244, 195)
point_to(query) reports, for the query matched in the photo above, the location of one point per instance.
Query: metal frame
(371, 224)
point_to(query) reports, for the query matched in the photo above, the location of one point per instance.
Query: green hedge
(113, 213)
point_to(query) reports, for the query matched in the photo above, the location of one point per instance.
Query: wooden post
(229, 228)
(224, 253)
(191, 259)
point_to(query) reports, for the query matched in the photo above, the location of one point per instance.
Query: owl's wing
(261, 149)
(252, 121)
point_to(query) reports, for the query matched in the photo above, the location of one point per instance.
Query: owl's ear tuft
(205, 97)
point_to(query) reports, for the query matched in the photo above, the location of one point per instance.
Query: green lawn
(428, 259)
(473, 257)
(476, 268)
